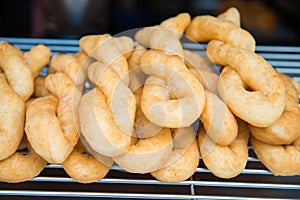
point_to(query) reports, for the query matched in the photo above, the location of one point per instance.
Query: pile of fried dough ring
(145, 97)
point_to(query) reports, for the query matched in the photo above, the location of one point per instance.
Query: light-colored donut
(12, 115)
(107, 112)
(147, 154)
(70, 66)
(157, 106)
(206, 28)
(280, 160)
(198, 62)
(287, 128)
(265, 104)
(184, 159)
(83, 167)
(218, 121)
(225, 161)
(16, 70)
(18, 167)
(40, 89)
(37, 58)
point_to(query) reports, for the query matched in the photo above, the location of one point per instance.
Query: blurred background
(274, 22)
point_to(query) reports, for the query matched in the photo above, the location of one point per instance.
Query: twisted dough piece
(110, 51)
(225, 161)
(148, 154)
(174, 25)
(70, 66)
(142, 126)
(52, 125)
(40, 89)
(287, 128)
(184, 159)
(12, 114)
(18, 167)
(232, 15)
(37, 58)
(280, 160)
(84, 61)
(16, 70)
(85, 168)
(107, 112)
(218, 121)
(265, 104)
(137, 77)
(206, 28)
(158, 106)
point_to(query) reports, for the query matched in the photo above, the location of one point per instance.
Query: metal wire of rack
(255, 182)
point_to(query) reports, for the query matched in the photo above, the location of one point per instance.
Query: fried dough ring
(148, 154)
(84, 168)
(107, 112)
(84, 61)
(184, 159)
(110, 51)
(225, 161)
(159, 108)
(12, 115)
(287, 128)
(52, 126)
(265, 104)
(37, 58)
(44, 131)
(206, 28)
(16, 70)
(18, 167)
(70, 66)
(280, 160)
(218, 121)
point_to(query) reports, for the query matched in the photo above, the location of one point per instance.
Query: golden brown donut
(37, 58)
(12, 115)
(83, 167)
(16, 70)
(281, 160)
(184, 159)
(18, 167)
(225, 161)
(70, 66)
(287, 128)
(265, 104)
(198, 62)
(206, 28)
(107, 112)
(40, 89)
(157, 106)
(148, 154)
(218, 121)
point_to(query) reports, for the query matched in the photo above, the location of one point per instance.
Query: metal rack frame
(255, 182)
